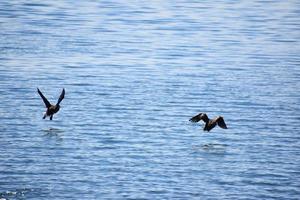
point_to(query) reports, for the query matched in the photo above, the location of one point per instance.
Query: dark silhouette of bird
(209, 123)
(51, 109)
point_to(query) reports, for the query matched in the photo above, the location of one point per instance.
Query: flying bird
(209, 123)
(51, 109)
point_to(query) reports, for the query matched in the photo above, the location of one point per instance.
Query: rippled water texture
(134, 73)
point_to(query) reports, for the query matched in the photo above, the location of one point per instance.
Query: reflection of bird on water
(209, 123)
(51, 109)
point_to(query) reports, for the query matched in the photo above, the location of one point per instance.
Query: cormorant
(209, 123)
(51, 109)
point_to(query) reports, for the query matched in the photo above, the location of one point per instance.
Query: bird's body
(51, 109)
(209, 123)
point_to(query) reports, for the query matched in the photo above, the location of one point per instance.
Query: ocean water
(134, 73)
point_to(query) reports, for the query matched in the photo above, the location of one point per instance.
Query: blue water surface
(134, 73)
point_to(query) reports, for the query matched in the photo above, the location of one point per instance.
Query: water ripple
(134, 73)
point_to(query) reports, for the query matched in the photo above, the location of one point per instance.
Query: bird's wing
(200, 116)
(221, 122)
(61, 97)
(47, 103)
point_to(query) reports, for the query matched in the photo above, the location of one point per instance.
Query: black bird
(51, 109)
(209, 123)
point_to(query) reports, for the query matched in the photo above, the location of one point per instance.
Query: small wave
(15, 193)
